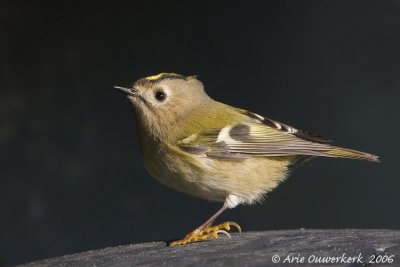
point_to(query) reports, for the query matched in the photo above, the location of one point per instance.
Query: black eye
(160, 95)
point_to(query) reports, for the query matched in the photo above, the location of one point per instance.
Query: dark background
(70, 169)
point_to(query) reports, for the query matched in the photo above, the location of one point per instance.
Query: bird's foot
(206, 233)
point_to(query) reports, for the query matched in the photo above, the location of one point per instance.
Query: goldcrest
(214, 151)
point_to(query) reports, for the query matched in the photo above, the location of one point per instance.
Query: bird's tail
(351, 154)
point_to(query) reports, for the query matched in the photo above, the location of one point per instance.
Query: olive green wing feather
(257, 136)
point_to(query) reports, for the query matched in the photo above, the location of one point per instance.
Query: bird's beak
(129, 91)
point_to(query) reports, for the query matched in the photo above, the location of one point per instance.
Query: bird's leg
(207, 231)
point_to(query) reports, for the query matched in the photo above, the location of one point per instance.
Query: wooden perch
(285, 247)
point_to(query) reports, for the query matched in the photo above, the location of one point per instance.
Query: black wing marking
(289, 129)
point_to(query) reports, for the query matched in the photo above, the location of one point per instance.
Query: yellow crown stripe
(155, 77)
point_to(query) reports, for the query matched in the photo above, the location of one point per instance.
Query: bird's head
(163, 100)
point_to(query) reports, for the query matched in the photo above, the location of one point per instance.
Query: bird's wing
(260, 136)
(255, 136)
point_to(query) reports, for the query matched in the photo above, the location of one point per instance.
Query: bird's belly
(183, 176)
(213, 179)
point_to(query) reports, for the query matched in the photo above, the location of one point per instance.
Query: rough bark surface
(251, 249)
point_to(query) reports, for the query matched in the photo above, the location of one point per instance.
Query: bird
(214, 151)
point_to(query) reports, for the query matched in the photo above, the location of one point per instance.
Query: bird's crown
(162, 76)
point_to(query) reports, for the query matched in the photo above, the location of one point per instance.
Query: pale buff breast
(215, 179)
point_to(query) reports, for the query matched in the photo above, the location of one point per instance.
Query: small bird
(214, 151)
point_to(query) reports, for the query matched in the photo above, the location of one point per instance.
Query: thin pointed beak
(128, 91)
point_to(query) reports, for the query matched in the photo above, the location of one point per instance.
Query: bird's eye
(160, 95)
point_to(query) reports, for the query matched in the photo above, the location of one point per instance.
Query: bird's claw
(208, 232)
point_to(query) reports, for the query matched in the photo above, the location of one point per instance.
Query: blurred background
(71, 176)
